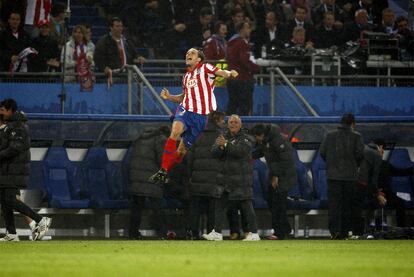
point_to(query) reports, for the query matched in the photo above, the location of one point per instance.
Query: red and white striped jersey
(198, 87)
(37, 10)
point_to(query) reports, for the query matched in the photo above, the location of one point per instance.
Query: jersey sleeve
(210, 69)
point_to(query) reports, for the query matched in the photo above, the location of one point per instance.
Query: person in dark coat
(13, 40)
(203, 169)
(48, 59)
(279, 158)
(342, 151)
(15, 170)
(367, 188)
(234, 153)
(327, 34)
(300, 21)
(272, 34)
(113, 51)
(387, 171)
(146, 157)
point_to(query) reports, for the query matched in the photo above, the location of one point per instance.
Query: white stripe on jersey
(203, 89)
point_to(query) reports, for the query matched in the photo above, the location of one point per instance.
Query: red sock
(168, 155)
(177, 157)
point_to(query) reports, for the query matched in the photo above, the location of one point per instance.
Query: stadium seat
(103, 180)
(402, 185)
(260, 183)
(63, 181)
(37, 178)
(319, 179)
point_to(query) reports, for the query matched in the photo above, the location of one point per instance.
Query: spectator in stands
(277, 151)
(237, 17)
(176, 15)
(239, 55)
(232, 5)
(9, 6)
(270, 36)
(405, 38)
(294, 4)
(298, 44)
(77, 48)
(216, 7)
(276, 7)
(58, 29)
(348, 14)
(114, 51)
(300, 21)
(233, 150)
(15, 168)
(145, 159)
(215, 48)
(203, 170)
(200, 30)
(328, 35)
(373, 11)
(48, 58)
(343, 151)
(388, 22)
(14, 46)
(353, 30)
(318, 14)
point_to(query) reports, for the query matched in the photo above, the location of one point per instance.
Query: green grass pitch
(202, 258)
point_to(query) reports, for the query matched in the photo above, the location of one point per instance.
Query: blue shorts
(193, 125)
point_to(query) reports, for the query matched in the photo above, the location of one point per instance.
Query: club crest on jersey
(192, 83)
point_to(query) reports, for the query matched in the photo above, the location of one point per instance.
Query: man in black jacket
(113, 51)
(146, 156)
(367, 188)
(15, 169)
(203, 169)
(343, 151)
(279, 158)
(233, 151)
(13, 40)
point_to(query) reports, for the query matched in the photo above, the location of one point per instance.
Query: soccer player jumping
(196, 102)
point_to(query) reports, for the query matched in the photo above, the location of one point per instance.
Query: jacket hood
(234, 38)
(18, 116)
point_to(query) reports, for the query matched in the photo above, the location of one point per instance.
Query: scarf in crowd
(21, 64)
(83, 68)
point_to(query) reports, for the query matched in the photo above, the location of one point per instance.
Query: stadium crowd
(32, 42)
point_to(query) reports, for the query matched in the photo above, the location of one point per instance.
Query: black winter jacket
(203, 167)
(107, 53)
(279, 157)
(145, 160)
(343, 151)
(370, 168)
(236, 170)
(15, 152)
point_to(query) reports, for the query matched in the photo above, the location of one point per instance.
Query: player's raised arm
(165, 94)
(227, 74)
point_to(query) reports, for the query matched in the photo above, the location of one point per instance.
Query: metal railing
(168, 73)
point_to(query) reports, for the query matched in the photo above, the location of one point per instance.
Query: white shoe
(213, 236)
(10, 237)
(42, 228)
(252, 237)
